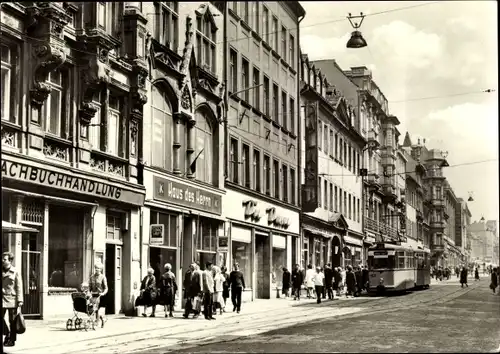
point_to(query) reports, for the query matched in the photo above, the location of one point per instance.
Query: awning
(353, 241)
(10, 228)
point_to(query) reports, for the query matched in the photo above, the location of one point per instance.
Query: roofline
(296, 7)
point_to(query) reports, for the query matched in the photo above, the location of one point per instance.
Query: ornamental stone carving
(87, 112)
(186, 99)
(188, 49)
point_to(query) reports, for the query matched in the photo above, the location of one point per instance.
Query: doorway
(336, 252)
(113, 269)
(159, 256)
(31, 274)
(262, 267)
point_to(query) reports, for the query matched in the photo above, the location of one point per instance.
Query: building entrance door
(262, 267)
(113, 272)
(31, 269)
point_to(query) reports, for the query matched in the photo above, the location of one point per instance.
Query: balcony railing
(379, 227)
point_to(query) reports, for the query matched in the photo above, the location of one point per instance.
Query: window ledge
(245, 25)
(245, 103)
(267, 45)
(234, 97)
(57, 139)
(284, 62)
(267, 118)
(234, 14)
(109, 156)
(11, 125)
(257, 111)
(292, 70)
(293, 135)
(275, 123)
(275, 54)
(256, 36)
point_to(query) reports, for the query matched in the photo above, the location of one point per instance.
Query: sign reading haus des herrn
(186, 195)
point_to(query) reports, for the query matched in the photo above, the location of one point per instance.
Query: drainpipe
(226, 97)
(299, 142)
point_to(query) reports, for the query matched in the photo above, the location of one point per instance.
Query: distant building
(484, 241)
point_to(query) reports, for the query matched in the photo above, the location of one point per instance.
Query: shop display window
(206, 241)
(279, 261)
(65, 252)
(170, 227)
(242, 254)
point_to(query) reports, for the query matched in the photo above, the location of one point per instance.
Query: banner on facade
(310, 188)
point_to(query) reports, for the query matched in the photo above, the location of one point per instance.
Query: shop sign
(186, 195)
(223, 244)
(157, 235)
(251, 210)
(275, 220)
(44, 177)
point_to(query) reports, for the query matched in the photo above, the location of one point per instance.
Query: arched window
(162, 130)
(312, 82)
(204, 137)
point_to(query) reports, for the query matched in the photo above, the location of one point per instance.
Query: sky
(447, 50)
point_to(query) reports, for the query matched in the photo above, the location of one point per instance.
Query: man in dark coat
(365, 277)
(350, 280)
(297, 281)
(463, 277)
(359, 280)
(186, 284)
(287, 279)
(337, 278)
(329, 280)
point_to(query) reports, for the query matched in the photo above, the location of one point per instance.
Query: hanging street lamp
(356, 40)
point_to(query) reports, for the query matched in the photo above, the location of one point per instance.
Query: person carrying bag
(12, 300)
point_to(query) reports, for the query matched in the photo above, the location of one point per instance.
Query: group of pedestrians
(205, 291)
(321, 282)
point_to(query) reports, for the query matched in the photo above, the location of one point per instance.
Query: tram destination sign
(186, 195)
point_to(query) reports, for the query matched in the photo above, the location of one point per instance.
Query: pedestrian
(476, 274)
(218, 289)
(329, 280)
(309, 281)
(318, 281)
(343, 280)
(98, 287)
(350, 281)
(208, 290)
(359, 281)
(225, 286)
(365, 278)
(494, 280)
(287, 278)
(12, 297)
(148, 292)
(463, 277)
(457, 271)
(168, 288)
(237, 284)
(337, 278)
(188, 295)
(297, 281)
(323, 293)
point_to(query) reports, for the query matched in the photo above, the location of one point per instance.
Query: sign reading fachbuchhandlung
(44, 177)
(186, 195)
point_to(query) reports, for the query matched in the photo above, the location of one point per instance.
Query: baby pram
(83, 303)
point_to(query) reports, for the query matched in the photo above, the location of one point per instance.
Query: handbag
(196, 303)
(20, 325)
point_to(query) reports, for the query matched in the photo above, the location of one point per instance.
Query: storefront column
(289, 245)
(45, 262)
(146, 217)
(188, 235)
(16, 239)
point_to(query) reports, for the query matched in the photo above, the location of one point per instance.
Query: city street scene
(249, 177)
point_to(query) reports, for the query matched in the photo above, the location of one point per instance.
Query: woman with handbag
(12, 294)
(168, 289)
(148, 292)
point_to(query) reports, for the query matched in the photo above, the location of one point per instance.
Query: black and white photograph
(250, 177)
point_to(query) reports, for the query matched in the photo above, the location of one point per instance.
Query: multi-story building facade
(331, 221)
(483, 237)
(261, 203)
(451, 203)
(73, 94)
(462, 220)
(492, 225)
(181, 136)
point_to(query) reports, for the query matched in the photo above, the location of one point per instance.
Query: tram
(394, 268)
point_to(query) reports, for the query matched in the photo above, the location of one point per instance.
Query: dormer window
(205, 40)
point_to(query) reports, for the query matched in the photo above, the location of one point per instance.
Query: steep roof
(407, 141)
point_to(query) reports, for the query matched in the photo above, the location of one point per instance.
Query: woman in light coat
(310, 273)
(218, 289)
(12, 297)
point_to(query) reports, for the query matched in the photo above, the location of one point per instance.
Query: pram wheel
(78, 323)
(69, 324)
(88, 324)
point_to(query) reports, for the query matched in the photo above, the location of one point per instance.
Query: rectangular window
(330, 148)
(9, 83)
(205, 44)
(246, 166)
(114, 125)
(266, 96)
(345, 153)
(246, 12)
(331, 196)
(292, 116)
(291, 55)
(284, 48)
(284, 110)
(325, 139)
(101, 15)
(255, 16)
(233, 71)
(353, 160)
(292, 186)
(53, 106)
(167, 21)
(245, 79)
(284, 181)
(275, 34)
(320, 196)
(320, 136)
(265, 19)
(275, 104)
(256, 89)
(336, 200)
(234, 160)
(359, 211)
(341, 155)
(276, 178)
(114, 226)
(350, 207)
(349, 159)
(344, 207)
(336, 146)
(169, 222)
(325, 194)
(267, 175)
(256, 170)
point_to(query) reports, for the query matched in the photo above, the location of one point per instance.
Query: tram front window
(382, 263)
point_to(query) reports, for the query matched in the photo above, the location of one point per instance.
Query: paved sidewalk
(52, 336)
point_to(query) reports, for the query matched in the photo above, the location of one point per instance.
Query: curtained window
(204, 147)
(162, 130)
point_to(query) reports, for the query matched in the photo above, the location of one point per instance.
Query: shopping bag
(20, 325)
(196, 302)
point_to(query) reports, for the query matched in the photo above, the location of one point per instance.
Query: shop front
(353, 249)
(263, 238)
(82, 219)
(322, 241)
(181, 224)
